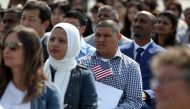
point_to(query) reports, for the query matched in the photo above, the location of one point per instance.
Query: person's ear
(119, 36)
(82, 29)
(46, 24)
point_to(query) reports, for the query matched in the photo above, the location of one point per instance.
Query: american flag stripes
(102, 70)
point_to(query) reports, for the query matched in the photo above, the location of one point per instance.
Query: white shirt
(136, 46)
(13, 98)
(116, 54)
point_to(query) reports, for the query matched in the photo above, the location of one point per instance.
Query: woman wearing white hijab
(75, 81)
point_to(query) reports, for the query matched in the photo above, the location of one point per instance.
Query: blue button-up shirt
(126, 76)
(85, 49)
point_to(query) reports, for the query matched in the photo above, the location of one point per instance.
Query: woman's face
(13, 52)
(164, 26)
(131, 13)
(57, 46)
(57, 16)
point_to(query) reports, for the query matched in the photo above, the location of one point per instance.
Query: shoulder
(126, 46)
(88, 48)
(87, 38)
(50, 88)
(50, 91)
(156, 48)
(86, 58)
(125, 39)
(81, 67)
(83, 70)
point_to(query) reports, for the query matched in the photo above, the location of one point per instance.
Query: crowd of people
(53, 55)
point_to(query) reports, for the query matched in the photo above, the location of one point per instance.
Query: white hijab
(64, 66)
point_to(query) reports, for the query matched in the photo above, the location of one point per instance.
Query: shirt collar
(117, 54)
(144, 47)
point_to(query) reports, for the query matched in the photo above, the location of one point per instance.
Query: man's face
(142, 25)
(10, 20)
(171, 90)
(30, 18)
(106, 42)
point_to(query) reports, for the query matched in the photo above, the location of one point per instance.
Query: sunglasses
(13, 46)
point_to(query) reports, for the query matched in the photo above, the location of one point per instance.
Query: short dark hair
(77, 15)
(63, 6)
(44, 9)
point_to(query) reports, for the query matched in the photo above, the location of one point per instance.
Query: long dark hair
(170, 40)
(127, 24)
(32, 76)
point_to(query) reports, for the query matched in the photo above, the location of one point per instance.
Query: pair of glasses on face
(13, 46)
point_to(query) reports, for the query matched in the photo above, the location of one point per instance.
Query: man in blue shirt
(79, 21)
(113, 68)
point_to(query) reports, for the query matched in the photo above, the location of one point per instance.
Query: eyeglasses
(13, 46)
(165, 81)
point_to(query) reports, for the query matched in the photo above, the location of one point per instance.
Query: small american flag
(102, 70)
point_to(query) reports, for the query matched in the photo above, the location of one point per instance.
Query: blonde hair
(178, 56)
